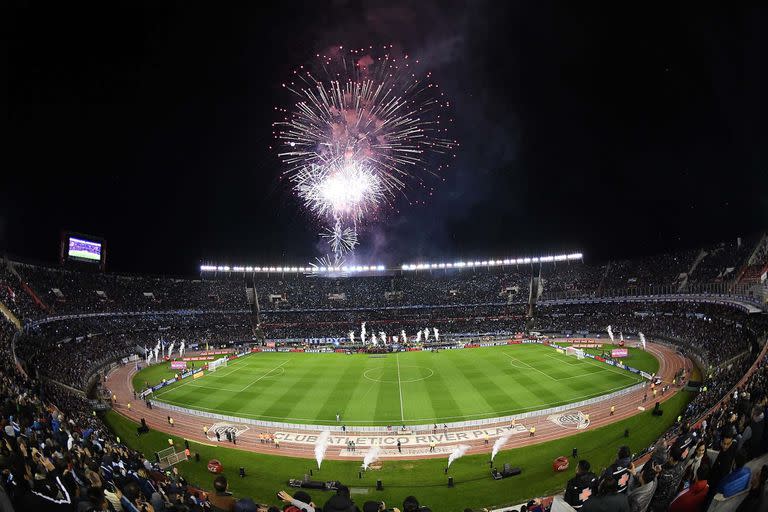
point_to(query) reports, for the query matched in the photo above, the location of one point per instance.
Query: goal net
(218, 363)
(571, 351)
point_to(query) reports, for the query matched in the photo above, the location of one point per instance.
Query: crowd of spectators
(73, 349)
(722, 261)
(704, 458)
(67, 292)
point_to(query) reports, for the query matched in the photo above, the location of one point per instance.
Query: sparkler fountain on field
(365, 126)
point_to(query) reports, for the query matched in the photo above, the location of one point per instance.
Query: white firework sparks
(341, 239)
(363, 128)
(343, 192)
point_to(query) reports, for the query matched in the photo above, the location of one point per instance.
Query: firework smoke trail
(321, 445)
(610, 333)
(458, 452)
(364, 127)
(371, 456)
(501, 441)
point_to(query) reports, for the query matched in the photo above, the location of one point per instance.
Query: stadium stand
(57, 454)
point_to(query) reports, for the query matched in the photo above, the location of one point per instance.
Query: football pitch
(396, 389)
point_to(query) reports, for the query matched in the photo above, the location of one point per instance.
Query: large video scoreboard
(82, 249)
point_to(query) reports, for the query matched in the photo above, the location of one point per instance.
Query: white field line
(608, 367)
(530, 367)
(583, 374)
(191, 380)
(400, 387)
(270, 371)
(603, 367)
(173, 388)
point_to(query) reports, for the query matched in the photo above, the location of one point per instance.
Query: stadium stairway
(755, 265)
(752, 273)
(8, 314)
(28, 290)
(702, 254)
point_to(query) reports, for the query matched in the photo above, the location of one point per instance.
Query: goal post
(218, 363)
(572, 351)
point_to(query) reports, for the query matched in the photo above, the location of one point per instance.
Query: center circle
(408, 373)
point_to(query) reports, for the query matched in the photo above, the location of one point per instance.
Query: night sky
(612, 132)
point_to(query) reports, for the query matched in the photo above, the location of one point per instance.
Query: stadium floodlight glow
(494, 263)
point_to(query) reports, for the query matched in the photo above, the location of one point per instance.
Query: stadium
(512, 371)
(363, 256)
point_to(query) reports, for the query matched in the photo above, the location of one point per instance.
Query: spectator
(221, 500)
(668, 481)
(738, 479)
(619, 470)
(608, 498)
(757, 498)
(699, 459)
(642, 486)
(724, 461)
(694, 498)
(300, 500)
(580, 487)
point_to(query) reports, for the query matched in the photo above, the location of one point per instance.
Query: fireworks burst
(341, 239)
(343, 192)
(364, 127)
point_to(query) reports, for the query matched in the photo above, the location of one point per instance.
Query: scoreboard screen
(84, 250)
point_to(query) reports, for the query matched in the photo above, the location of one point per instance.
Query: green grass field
(422, 478)
(412, 387)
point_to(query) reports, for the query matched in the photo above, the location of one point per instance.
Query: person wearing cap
(301, 500)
